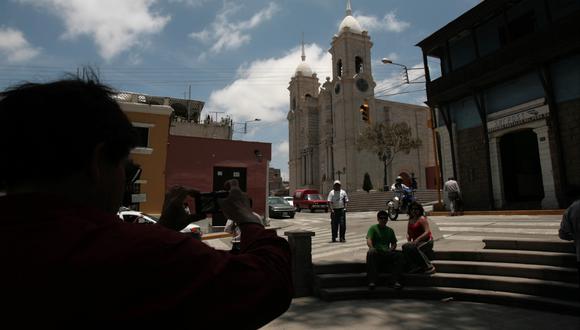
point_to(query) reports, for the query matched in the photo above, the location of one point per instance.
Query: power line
(400, 93)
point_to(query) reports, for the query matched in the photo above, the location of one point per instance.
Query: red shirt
(415, 230)
(66, 261)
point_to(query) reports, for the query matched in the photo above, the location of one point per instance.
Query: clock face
(337, 89)
(362, 85)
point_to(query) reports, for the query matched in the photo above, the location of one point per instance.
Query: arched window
(358, 64)
(339, 68)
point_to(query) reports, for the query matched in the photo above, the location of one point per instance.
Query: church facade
(325, 121)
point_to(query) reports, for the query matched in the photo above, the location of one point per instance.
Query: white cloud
(192, 3)
(14, 47)
(226, 35)
(260, 90)
(281, 149)
(115, 26)
(389, 23)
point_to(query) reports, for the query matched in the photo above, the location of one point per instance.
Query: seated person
(382, 243)
(420, 241)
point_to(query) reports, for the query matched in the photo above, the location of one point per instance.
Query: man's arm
(370, 243)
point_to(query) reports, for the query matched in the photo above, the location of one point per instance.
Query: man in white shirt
(338, 200)
(454, 195)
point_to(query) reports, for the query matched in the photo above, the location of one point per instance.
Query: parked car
(132, 216)
(279, 208)
(289, 199)
(310, 199)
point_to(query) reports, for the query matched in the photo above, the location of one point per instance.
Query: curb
(502, 212)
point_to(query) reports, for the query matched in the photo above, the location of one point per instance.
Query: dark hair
(383, 213)
(415, 205)
(50, 130)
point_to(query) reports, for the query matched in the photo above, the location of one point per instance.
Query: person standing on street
(382, 243)
(338, 201)
(570, 230)
(454, 195)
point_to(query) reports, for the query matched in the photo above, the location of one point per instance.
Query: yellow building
(152, 124)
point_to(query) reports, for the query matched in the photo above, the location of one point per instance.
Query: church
(325, 122)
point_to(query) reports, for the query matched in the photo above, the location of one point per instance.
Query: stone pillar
(496, 172)
(549, 201)
(302, 270)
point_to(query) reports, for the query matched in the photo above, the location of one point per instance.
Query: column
(549, 201)
(302, 270)
(496, 171)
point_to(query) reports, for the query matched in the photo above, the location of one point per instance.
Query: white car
(132, 216)
(289, 199)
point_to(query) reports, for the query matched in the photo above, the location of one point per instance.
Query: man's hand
(237, 205)
(174, 215)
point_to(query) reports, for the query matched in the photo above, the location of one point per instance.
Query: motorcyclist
(402, 191)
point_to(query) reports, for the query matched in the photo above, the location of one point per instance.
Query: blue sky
(238, 56)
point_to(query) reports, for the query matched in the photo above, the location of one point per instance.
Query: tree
(387, 140)
(367, 184)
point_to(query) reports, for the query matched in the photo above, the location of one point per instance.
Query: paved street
(450, 233)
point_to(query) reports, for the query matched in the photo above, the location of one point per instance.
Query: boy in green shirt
(382, 243)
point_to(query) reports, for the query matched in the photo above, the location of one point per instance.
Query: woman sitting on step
(419, 246)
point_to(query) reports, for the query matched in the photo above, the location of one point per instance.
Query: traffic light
(364, 110)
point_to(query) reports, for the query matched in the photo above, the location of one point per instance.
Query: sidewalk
(312, 313)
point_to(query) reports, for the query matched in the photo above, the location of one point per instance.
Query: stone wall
(471, 154)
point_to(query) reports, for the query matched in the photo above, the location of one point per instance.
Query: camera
(207, 203)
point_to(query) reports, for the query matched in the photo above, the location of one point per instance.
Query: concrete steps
(376, 200)
(541, 272)
(523, 273)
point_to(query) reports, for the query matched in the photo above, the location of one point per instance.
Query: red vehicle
(309, 199)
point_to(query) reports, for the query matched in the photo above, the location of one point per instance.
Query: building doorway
(220, 176)
(521, 169)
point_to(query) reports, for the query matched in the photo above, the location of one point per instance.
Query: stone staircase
(376, 200)
(522, 273)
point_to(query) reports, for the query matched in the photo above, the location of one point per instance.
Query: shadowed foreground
(312, 313)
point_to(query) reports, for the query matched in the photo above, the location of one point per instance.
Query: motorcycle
(400, 204)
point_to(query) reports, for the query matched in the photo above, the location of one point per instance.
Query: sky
(237, 56)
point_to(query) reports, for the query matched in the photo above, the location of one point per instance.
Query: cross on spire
(303, 53)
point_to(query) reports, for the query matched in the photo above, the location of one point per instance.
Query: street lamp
(249, 121)
(387, 61)
(384, 157)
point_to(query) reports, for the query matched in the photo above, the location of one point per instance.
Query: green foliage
(367, 183)
(387, 140)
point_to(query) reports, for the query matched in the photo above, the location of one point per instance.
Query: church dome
(350, 22)
(304, 69)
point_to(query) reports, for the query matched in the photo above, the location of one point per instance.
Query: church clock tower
(353, 85)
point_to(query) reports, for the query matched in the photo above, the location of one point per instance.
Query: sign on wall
(518, 118)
